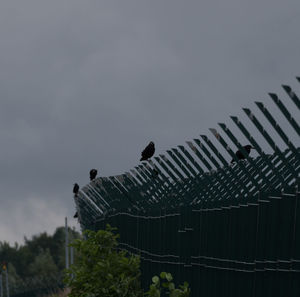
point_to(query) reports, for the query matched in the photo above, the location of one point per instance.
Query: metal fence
(37, 286)
(227, 229)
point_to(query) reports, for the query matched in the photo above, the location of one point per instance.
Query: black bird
(75, 215)
(240, 155)
(148, 152)
(75, 189)
(93, 174)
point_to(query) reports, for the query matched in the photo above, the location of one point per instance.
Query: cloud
(30, 216)
(89, 84)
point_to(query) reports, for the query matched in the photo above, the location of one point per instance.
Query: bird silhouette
(240, 155)
(93, 174)
(148, 152)
(75, 189)
(75, 215)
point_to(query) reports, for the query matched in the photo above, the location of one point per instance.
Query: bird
(148, 152)
(75, 215)
(75, 189)
(93, 174)
(240, 154)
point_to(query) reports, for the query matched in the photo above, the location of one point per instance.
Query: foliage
(43, 264)
(157, 287)
(102, 269)
(14, 279)
(41, 254)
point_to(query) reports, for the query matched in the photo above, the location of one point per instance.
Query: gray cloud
(88, 84)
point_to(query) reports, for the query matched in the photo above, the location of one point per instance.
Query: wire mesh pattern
(226, 228)
(37, 286)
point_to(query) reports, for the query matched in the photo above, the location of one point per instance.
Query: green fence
(227, 229)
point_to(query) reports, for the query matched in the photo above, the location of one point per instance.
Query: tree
(102, 269)
(43, 264)
(13, 277)
(58, 246)
(22, 257)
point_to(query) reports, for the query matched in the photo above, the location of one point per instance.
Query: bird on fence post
(148, 152)
(93, 174)
(75, 189)
(240, 154)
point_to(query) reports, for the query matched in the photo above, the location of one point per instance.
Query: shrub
(102, 269)
(158, 287)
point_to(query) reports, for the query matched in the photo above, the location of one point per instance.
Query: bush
(102, 270)
(157, 287)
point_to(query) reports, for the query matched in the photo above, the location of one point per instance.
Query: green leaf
(171, 286)
(163, 275)
(169, 277)
(155, 279)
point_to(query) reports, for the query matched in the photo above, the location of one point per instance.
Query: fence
(34, 286)
(227, 229)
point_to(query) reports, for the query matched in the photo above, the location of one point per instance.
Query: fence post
(67, 243)
(7, 283)
(1, 286)
(71, 255)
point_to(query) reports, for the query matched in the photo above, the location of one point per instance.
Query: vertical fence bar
(72, 255)
(66, 243)
(7, 282)
(1, 286)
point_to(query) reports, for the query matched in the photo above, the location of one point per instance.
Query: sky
(87, 84)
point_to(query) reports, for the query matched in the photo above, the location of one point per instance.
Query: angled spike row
(198, 174)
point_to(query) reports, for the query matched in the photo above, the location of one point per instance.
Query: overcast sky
(88, 84)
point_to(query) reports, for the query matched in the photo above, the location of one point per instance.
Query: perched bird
(148, 152)
(240, 155)
(75, 215)
(93, 174)
(75, 189)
